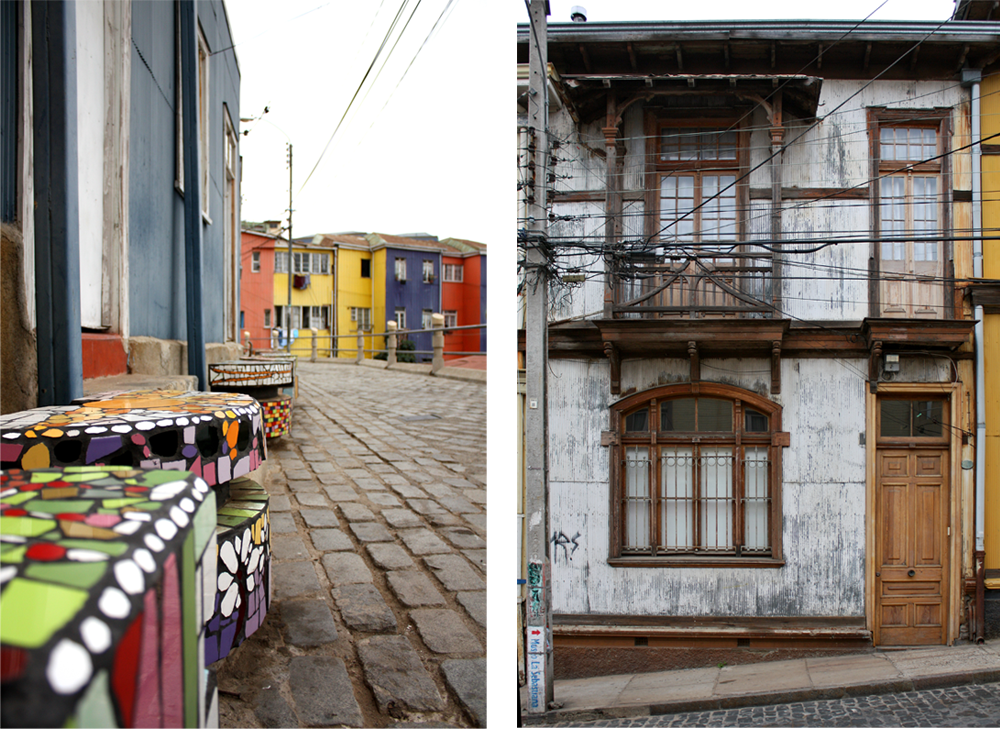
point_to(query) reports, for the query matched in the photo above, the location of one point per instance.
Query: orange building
(257, 284)
(463, 295)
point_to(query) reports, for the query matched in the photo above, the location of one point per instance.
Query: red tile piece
(13, 661)
(148, 712)
(43, 551)
(15, 512)
(173, 646)
(123, 674)
(70, 516)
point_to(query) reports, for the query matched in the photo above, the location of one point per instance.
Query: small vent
(742, 642)
(642, 641)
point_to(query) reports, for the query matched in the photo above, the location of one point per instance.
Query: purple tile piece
(211, 648)
(100, 447)
(189, 451)
(226, 643)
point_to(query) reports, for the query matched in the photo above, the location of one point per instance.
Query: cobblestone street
(959, 706)
(378, 523)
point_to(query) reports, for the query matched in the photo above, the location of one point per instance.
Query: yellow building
(353, 294)
(312, 296)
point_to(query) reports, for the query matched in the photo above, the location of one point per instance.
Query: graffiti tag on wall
(569, 545)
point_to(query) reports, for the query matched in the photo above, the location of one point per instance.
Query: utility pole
(288, 326)
(539, 624)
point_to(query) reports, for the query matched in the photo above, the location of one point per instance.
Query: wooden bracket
(695, 361)
(776, 368)
(781, 439)
(873, 360)
(609, 438)
(611, 352)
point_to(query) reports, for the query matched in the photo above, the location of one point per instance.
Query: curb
(898, 685)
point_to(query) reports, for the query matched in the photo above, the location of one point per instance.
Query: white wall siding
(585, 223)
(579, 396)
(823, 519)
(830, 283)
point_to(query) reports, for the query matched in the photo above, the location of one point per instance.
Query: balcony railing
(695, 285)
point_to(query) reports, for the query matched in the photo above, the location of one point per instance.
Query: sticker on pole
(536, 639)
(536, 683)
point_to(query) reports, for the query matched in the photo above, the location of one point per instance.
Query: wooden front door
(911, 546)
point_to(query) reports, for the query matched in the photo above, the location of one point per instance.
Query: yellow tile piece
(36, 457)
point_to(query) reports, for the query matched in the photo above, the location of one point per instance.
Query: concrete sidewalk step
(804, 679)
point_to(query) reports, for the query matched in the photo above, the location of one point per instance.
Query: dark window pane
(715, 415)
(637, 422)
(677, 415)
(895, 418)
(927, 418)
(755, 422)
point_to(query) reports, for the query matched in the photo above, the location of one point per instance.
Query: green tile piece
(191, 629)
(150, 505)
(230, 521)
(19, 498)
(96, 707)
(75, 574)
(248, 496)
(246, 505)
(82, 477)
(237, 512)
(25, 526)
(44, 476)
(114, 548)
(109, 511)
(57, 506)
(110, 482)
(153, 478)
(99, 494)
(33, 611)
(119, 503)
(204, 523)
(13, 553)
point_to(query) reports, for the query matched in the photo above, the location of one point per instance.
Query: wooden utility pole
(536, 283)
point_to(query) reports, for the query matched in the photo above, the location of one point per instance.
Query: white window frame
(427, 270)
(426, 322)
(267, 318)
(450, 319)
(401, 317)
(255, 262)
(453, 272)
(400, 268)
(281, 261)
(362, 316)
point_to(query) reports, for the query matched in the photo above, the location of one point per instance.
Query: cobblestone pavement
(378, 528)
(958, 706)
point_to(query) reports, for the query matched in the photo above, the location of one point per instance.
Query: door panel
(911, 561)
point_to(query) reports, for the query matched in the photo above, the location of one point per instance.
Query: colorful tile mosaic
(277, 416)
(244, 570)
(217, 436)
(104, 574)
(248, 373)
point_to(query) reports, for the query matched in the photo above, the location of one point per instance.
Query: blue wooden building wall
(414, 295)
(156, 208)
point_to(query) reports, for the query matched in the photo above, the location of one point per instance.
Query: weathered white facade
(823, 331)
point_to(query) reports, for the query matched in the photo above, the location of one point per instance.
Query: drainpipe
(57, 201)
(192, 196)
(973, 77)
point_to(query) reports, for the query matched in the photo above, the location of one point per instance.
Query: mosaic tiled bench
(108, 580)
(217, 436)
(270, 379)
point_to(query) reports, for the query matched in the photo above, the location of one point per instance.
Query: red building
(463, 295)
(257, 282)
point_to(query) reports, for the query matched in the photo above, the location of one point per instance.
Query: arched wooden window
(696, 476)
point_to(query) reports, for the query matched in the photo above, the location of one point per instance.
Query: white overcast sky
(412, 154)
